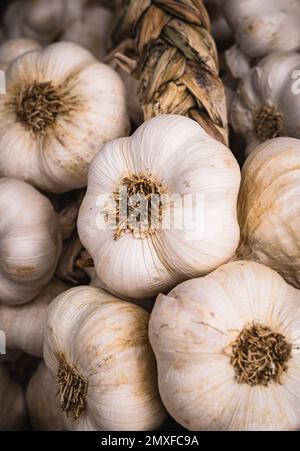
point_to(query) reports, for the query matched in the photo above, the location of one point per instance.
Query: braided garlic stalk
(167, 46)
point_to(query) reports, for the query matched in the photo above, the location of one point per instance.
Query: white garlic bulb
(97, 348)
(13, 48)
(264, 27)
(24, 325)
(227, 347)
(12, 403)
(91, 30)
(30, 242)
(43, 403)
(269, 207)
(188, 180)
(41, 19)
(61, 106)
(266, 104)
(237, 63)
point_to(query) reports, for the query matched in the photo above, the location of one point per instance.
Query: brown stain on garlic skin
(26, 270)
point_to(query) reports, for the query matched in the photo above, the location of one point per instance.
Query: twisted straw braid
(167, 46)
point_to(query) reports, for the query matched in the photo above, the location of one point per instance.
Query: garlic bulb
(42, 402)
(30, 242)
(264, 27)
(12, 403)
(160, 207)
(266, 104)
(97, 348)
(227, 347)
(237, 63)
(14, 48)
(61, 106)
(91, 30)
(41, 19)
(269, 207)
(24, 325)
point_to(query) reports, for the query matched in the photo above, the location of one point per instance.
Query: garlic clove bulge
(269, 208)
(264, 27)
(91, 30)
(13, 48)
(30, 242)
(23, 325)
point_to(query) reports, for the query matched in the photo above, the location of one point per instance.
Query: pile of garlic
(143, 275)
(80, 21)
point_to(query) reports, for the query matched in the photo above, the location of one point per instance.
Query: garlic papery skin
(237, 63)
(97, 348)
(12, 403)
(13, 48)
(167, 158)
(30, 242)
(227, 348)
(68, 268)
(23, 325)
(266, 104)
(61, 106)
(264, 27)
(269, 207)
(91, 30)
(41, 19)
(42, 402)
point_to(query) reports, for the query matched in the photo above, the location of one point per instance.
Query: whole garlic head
(264, 27)
(190, 183)
(23, 325)
(227, 347)
(41, 19)
(97, 348)
(91, 30)
(61, 106)
(13, 48)
(267, 102)
(30, 242)
(269, 207)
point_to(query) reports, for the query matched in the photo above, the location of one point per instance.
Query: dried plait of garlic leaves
(168, 47)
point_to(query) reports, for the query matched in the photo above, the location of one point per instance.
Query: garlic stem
(260, 355)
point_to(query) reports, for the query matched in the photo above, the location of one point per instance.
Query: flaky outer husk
(168, 47)
(43, 405)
